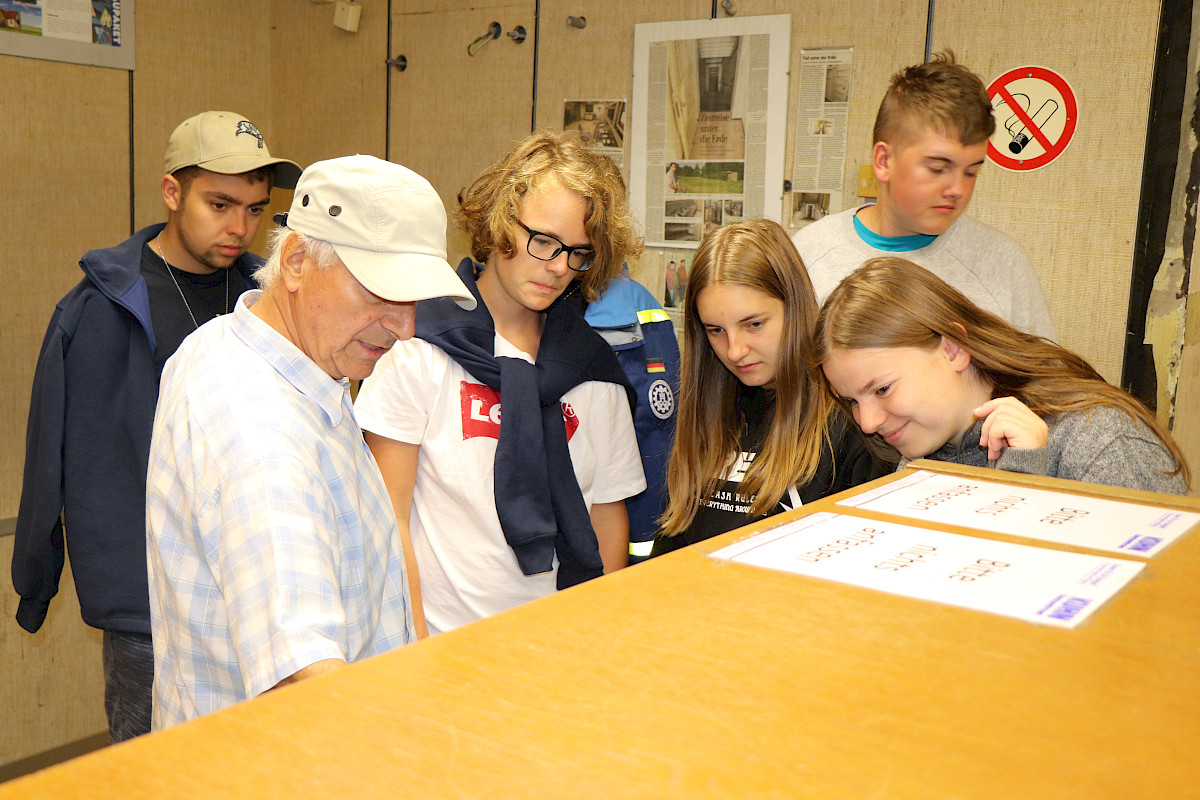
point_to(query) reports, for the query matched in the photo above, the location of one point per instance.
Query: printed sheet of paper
(819, 155)
(1030, 583)
(821, 116)
(1044, 514)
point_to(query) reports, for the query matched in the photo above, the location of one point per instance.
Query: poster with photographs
(709, 115)
(600, 124)
(95, 32)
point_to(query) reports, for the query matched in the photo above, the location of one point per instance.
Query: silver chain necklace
(179, 288)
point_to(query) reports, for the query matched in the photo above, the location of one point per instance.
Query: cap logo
(247, 127)
(335, 210)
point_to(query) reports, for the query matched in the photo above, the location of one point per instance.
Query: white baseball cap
(385, 222)
(226, 143)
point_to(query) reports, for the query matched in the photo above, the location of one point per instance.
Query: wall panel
(328, 86)
(52, 692)
(595, 62)
(1077, 216)
(453, 114)
(190, 58)
(65, 189)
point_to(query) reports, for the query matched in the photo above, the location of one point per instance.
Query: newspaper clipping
(819, 163)
(708, 127)
(600, 124)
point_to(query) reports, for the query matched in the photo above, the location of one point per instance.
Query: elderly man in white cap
(96, 385)
(273, 547)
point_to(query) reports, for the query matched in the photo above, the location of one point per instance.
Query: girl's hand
(1007, 422)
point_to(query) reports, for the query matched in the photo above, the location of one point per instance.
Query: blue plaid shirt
(272, 542)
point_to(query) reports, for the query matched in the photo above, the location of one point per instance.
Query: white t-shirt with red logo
(419, 395)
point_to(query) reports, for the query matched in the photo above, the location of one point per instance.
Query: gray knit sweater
(1100, 445)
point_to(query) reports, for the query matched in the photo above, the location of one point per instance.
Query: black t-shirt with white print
(208, 296)
(726, 508)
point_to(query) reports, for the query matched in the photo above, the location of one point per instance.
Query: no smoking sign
(1036, 115)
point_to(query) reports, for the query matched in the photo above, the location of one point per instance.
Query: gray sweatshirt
(1100, 445)
(990, 268)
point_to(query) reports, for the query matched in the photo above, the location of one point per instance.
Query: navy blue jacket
(88, 444)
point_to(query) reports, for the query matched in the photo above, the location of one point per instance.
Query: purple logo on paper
(1065, 608)
(1143, 543)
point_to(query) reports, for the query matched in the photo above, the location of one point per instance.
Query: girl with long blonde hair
(927, 373)
(756, 433)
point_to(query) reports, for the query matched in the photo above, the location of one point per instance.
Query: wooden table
(687, 677)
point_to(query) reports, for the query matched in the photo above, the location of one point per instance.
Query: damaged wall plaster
(1167, 307)
(1166, 317)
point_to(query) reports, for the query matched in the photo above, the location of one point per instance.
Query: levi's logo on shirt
(481, 412)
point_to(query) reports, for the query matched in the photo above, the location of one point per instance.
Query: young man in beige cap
(96, 386)
(273, 548)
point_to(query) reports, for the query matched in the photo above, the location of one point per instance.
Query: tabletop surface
(692, 677)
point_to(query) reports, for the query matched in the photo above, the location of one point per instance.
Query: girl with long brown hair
(756, 433)
(927, 373)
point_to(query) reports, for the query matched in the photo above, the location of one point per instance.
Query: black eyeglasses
(545, 247)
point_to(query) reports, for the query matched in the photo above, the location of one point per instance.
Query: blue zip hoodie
(88, 443)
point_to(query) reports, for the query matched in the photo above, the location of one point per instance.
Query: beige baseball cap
(224, 142)
(386, 223)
